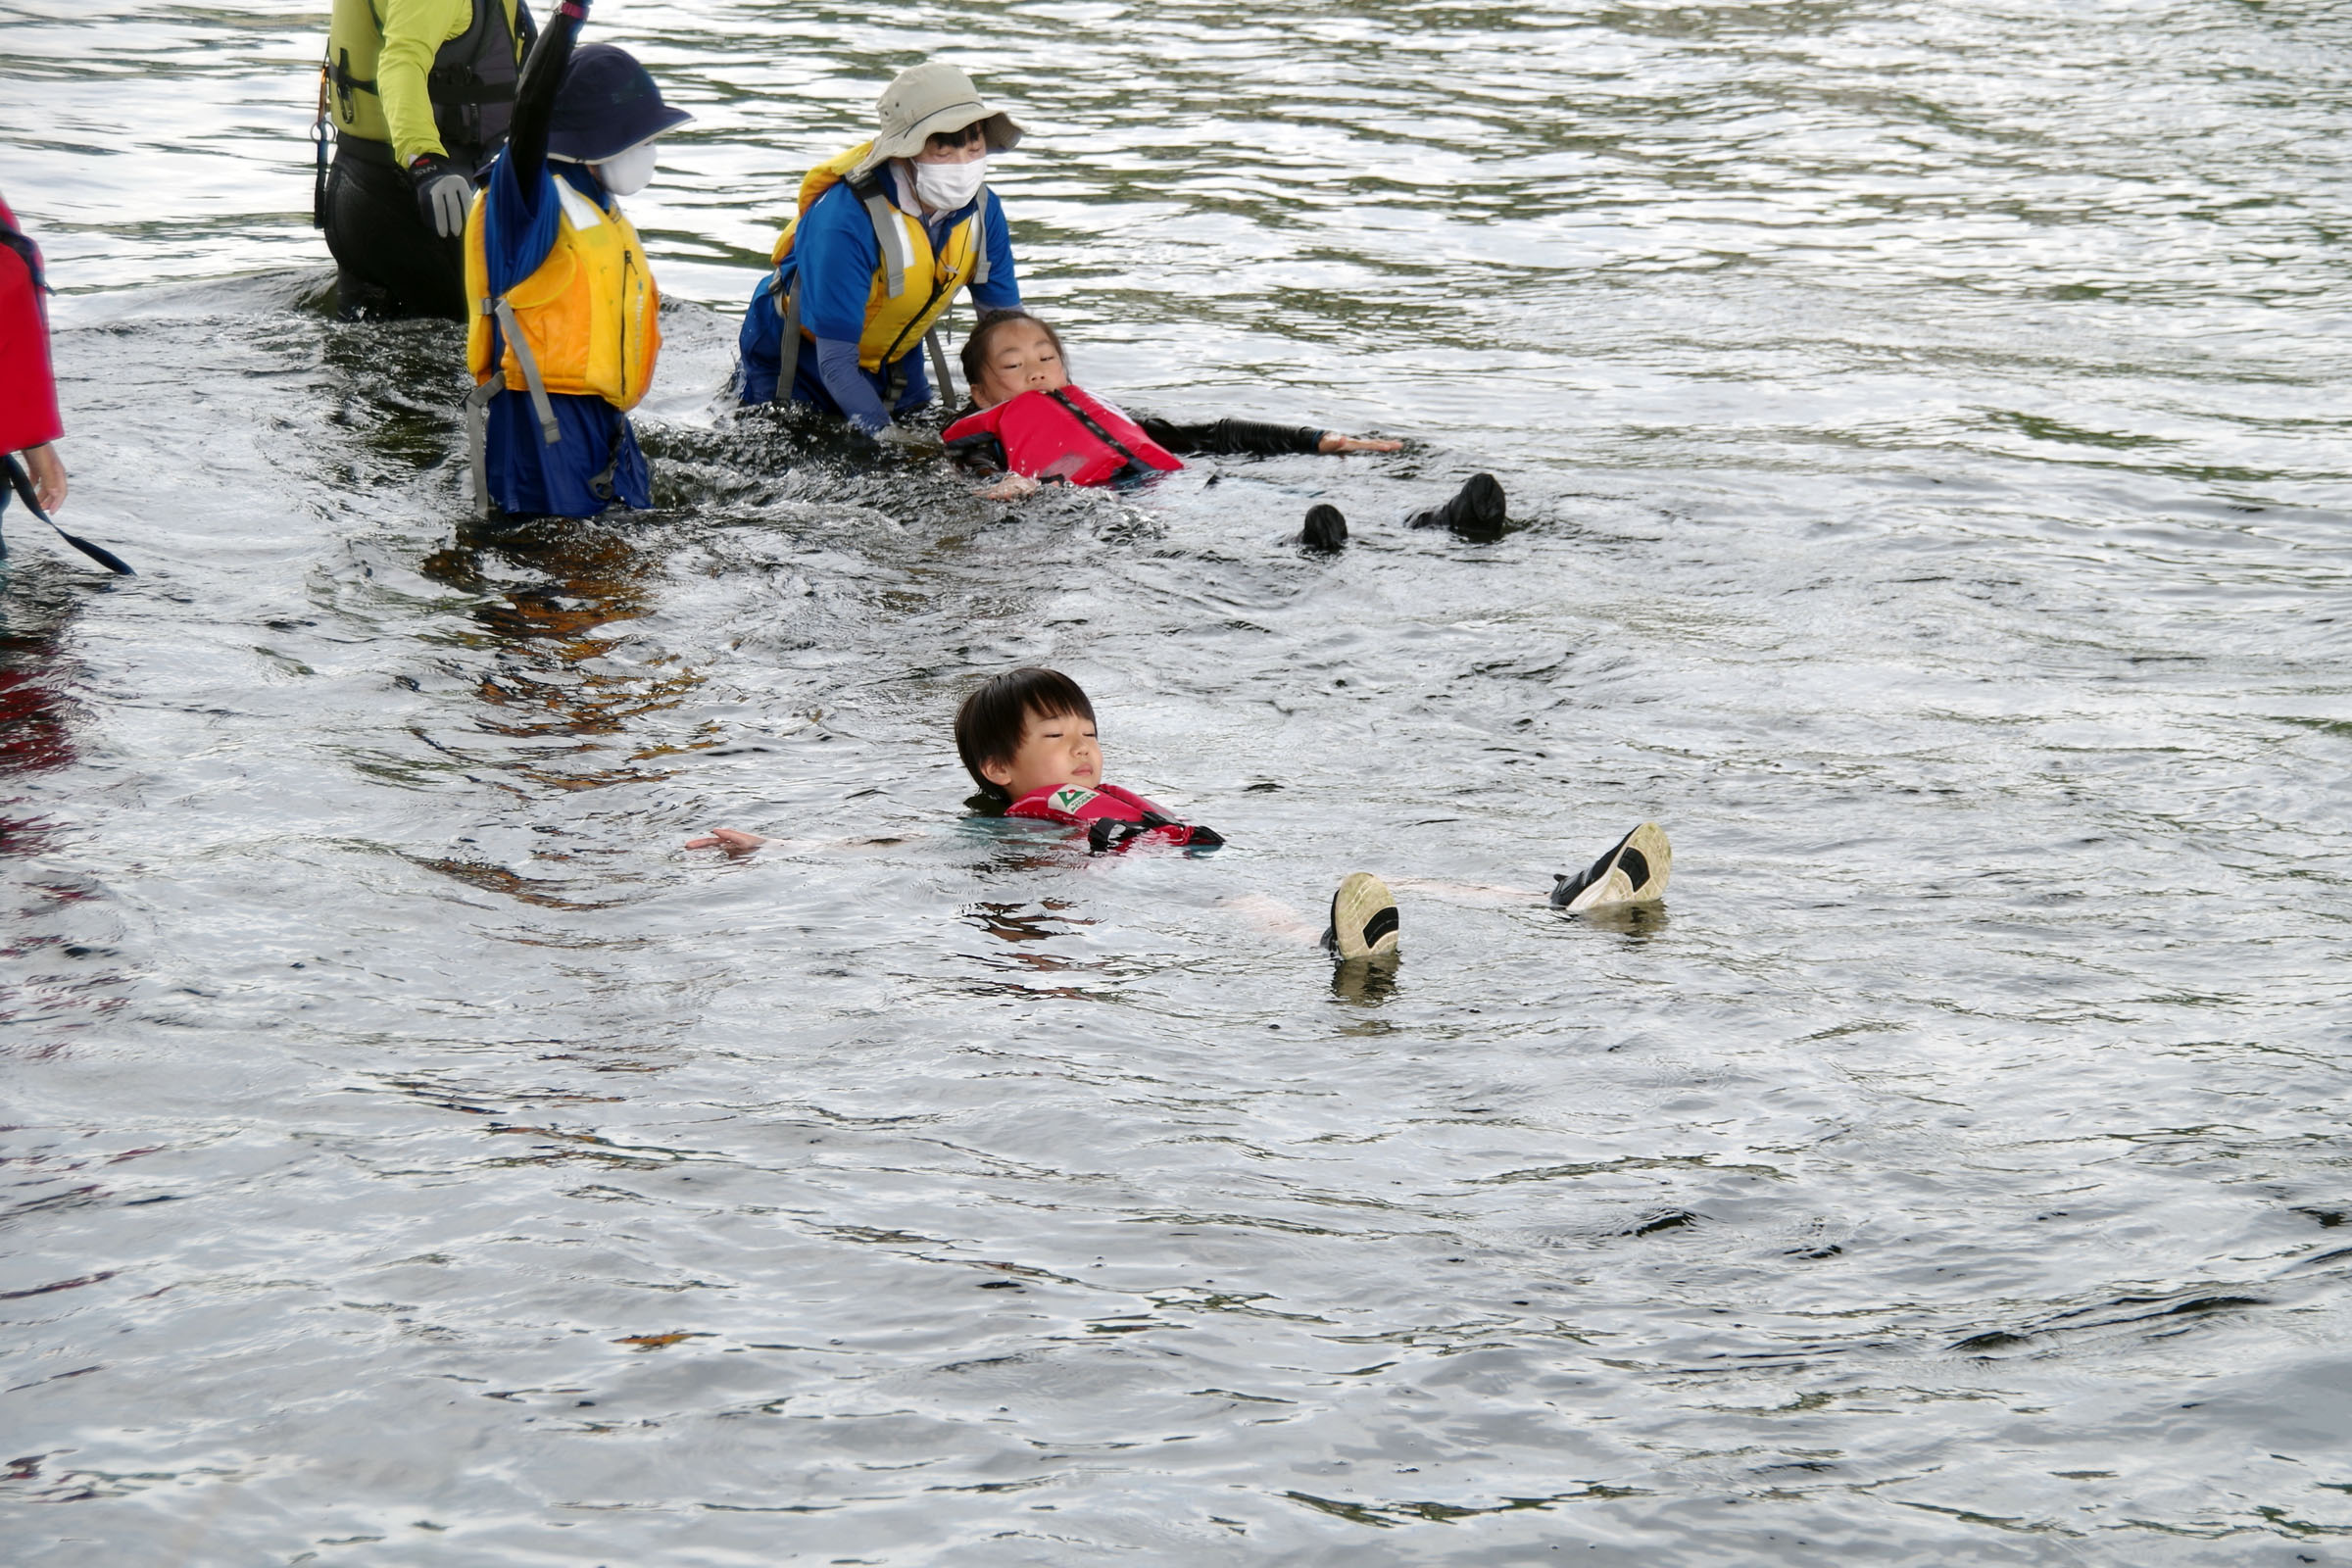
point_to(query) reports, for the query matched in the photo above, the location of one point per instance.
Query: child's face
(1059, 750)
(1021, 358)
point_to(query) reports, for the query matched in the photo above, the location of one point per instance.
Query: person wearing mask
(563, 331)
(420, 93)
(30, 424)
(886, 235)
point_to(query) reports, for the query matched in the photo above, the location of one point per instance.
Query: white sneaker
(1635, 871)
(1363, 920)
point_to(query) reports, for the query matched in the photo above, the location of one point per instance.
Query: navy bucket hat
(605, 105)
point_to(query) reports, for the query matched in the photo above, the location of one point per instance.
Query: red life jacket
(27, 394)
(1112, 817)
(1070, 435)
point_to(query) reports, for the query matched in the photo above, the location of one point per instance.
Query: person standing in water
(886, 234)
(564, 332)
(420, 93)
(29, 424)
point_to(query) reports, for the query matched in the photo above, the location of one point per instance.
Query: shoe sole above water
(1363, 918)
(1635, 871)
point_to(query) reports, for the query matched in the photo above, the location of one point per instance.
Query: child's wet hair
(975, 346)
(990, 724)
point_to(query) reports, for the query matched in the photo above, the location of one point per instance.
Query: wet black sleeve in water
(1232, 438)
(535, 96)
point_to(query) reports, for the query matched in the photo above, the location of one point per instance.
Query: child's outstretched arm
(1243, 438)
(733, 840)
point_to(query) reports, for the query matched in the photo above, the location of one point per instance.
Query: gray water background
(1927, 424)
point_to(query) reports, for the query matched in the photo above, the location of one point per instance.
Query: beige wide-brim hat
(928, 99)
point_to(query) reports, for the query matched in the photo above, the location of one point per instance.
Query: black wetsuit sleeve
(978, 453)
(1232, 438)
(535, 95)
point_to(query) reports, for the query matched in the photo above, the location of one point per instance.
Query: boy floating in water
(1028, 740)
(1031, 422)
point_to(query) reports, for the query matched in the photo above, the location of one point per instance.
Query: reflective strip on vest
(895, 246)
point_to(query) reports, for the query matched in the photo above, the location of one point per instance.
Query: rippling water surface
(1927, 430)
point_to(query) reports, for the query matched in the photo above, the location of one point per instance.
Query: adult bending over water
(885, 234)
(564, 332)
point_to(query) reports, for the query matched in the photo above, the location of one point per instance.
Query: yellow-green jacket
(424, 75)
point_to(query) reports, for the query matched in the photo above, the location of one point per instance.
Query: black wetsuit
(389, 261)
(387, 264)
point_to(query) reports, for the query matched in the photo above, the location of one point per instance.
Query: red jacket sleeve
(28, 391)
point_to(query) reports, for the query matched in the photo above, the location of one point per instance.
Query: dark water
(1928, 427)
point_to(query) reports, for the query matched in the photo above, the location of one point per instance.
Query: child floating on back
(1028, 738)
(1034, 424)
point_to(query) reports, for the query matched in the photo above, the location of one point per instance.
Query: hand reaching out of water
(733, 840)
(1333, 441)
(1012, 487)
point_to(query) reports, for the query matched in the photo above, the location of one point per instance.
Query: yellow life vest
(468, 80)
(896, 314)
(586, 323)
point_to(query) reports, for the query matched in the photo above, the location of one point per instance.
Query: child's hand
(730, 839)
(1333, 441)
(1012, 487)
(47, 471)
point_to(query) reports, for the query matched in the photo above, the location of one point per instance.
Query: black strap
(29, 254)
(21, 483)
(604, 485)
(456, 87)
(346, 83)
(1100, 434)
(1107, 833)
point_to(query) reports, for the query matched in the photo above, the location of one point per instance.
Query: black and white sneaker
(1326, 527)
(1632, 871)
(1363, 920)
(1477, 510)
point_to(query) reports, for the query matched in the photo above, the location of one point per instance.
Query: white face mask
(628, 173)
(943, 188)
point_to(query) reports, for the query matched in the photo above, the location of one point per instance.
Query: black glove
(443, 193)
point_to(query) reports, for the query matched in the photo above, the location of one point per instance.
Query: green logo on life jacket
(1070, 798)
